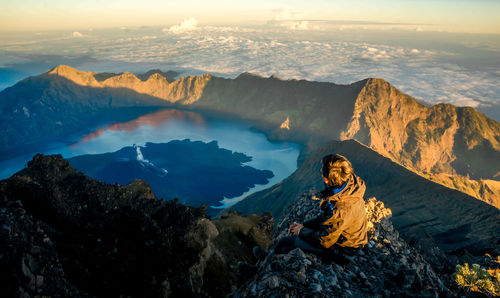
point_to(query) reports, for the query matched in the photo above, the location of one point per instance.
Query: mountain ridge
(424, 138)
(155, 85)
(377, 104)
(442, 139)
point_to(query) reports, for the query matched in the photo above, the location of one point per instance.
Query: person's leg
(285, 245)
(307, 247)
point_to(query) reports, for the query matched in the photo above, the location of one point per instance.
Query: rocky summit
(386, 267)
(64, 234)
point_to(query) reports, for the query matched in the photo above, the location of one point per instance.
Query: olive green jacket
(343, 217)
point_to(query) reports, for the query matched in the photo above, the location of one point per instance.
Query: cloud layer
(429, 73)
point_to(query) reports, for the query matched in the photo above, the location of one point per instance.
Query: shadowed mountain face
(420, 207)
(485, 189)
(52, 108)
(442, 139)
(65, 99)
(196, 172)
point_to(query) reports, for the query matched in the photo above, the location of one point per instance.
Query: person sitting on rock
(341, 227)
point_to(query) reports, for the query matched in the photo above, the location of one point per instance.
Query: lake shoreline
(137, 118)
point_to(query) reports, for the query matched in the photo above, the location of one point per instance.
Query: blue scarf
(337, 190)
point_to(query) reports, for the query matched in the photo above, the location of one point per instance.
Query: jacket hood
(355, 188)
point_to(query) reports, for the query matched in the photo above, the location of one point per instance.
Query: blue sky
(480, 16)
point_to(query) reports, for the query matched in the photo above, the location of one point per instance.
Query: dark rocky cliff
(66, 235)
(102, 239)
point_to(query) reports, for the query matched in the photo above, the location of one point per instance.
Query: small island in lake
(193, 171)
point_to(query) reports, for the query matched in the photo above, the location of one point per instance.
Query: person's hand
(295, 228)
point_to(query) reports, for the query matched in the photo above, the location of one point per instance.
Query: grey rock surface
(386, 266)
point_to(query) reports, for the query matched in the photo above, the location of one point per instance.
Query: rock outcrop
(386, 267)
(63, 231)
(238, 236)
(64, 234)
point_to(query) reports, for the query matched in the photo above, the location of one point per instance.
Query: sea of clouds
(432, 67)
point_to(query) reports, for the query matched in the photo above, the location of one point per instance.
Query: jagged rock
(29, 265)
(237, 237)
(80, 237)
(65, 234)
(404, 271)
